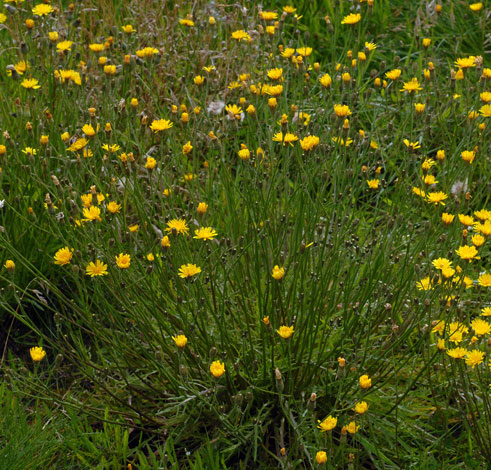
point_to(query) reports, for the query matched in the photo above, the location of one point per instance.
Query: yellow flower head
(42, 9)
(96, 269)
(328, 424)
(217, 369)
(241, 35)
(123, 261)
(342, 110)
(474, 358)
(177, 225)
(278, 272)
(9, 265)
(37, 353)
(63, 256)
(188, 270)
(467, 253)
(205, 233)
(161, 125)
(411, 86)
(285, 331)
(361, 407)
(352, 18)
(365, 381)
(180, 341)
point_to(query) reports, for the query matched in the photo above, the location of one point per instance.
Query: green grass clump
(236, 237)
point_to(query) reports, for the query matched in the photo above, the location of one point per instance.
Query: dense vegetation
(236, 235)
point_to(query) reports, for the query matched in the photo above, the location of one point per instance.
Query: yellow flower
(486, 312)
(42, 9)
(241, 35)
(429, 180)
(447, 219)
(466, 62)
(285, 331)
(352, 428)
(217, 369)
(466, 220)
(30, 83)
(321, 457)
(37, 353)
(179, 225)
(309, 142)
(180, 341)
(268, 15)
(9, 265)
(341, 141)
(198, 80)
(3, 18)
(419, 107)
(128, 28)
(278, 272)
(476, 6)
(244, 154)
(468, 156)
(436, 198)
(467, 252)
(393, 74)
(63, 256)
(365, 381)
(123, 261)
(233, 111)
(484, 229)
(411, 145)
(352, 18)
(478, 240)
(304, 51)
(165, 242)
(474, 358)
(411, 86)
(147, 52)
(188, 270)
(92, 213)
(342, 110)
(96, 269)
(361, 407)
(113, 207)
(325, 80)
(287, 53)
(442, 263)
(88, 130)
(328, 424)
(457, 353)
(109, 69)
(113, 148)
(287, 138)
(150, 163)
(486, 110)
(64, 46)
(373, 184)
(186, 22)
(205, 233)
(275, 74)
(202, 208)
(484, 280)
(480, 327)
(161, 125)
(96, 47)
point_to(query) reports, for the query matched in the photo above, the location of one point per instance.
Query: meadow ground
(237, 235)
